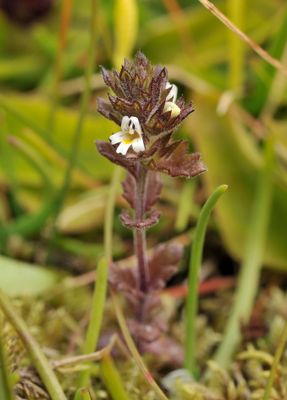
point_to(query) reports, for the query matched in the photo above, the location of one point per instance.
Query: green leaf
(233, 157)
(82, 394)
(18, 278)
(112, 379)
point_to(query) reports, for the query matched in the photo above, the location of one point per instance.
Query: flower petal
(172, 96)
(123, 148)
(137, 125)
(117, 137)
(138, 145)
(173, 108)
(125, 123)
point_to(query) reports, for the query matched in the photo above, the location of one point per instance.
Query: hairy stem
(139, 233)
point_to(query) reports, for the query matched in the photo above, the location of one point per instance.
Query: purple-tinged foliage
(163, 264)
(150, 326)
(145, 105)
(153, 188)
(107, 150)
(150, 219)
(176, 161)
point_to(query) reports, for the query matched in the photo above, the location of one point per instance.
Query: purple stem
(139, 233)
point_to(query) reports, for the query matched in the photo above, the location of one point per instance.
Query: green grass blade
(97, 311)
(112, 379)
(5, 382)
(236, 46)
(83, 394)
(195, 263)
(251, 266)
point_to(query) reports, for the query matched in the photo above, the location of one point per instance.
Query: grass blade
(230, 25)
(5, 382)
(96, 318)
(195, 263)
(112, 379)
(236, 46)
(83, 394)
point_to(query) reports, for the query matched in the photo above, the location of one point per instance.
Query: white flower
(130, 135)
(170, 104)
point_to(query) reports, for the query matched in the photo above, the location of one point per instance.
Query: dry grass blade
(133, 350)
(95, 356)
(230, 25)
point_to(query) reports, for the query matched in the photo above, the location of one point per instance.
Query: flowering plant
(145, 105)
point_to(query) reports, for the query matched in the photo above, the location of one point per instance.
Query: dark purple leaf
(166, 351)
(107, 110)
(153, 189)
(178, 162)
(107, 150)
(163, 264)
(125, 281)
(151, 219)
(129, 190)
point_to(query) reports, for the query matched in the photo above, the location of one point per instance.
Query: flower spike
(145, 104)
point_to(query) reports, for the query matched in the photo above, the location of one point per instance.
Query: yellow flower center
(129, 137)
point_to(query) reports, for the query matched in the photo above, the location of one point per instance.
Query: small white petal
(137, 125)
(170, 106)
(168, 85)
(123, 148)
(125, 123)
(172, 96)
(117, 137)
(138, 145)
